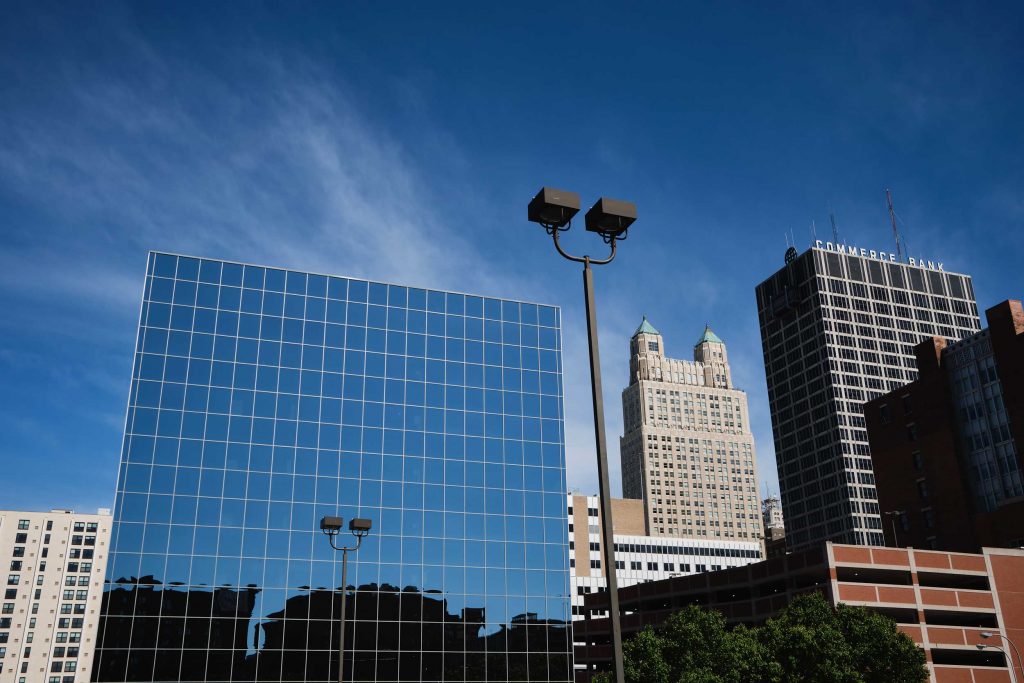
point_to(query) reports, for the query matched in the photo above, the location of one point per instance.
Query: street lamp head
(553, 208)
(986, 634)
(331, 525)
(611, 218)
(360, 526)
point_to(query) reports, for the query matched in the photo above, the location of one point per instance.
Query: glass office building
(264, 399)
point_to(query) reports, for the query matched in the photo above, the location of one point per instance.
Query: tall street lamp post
(609, 218)
(331, 526)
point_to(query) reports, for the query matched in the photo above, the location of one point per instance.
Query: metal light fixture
(1013, 646)
(610, 218)
(331, 527)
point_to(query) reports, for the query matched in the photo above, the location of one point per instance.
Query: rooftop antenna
(814, 232)
(895, 232)
(835, 228)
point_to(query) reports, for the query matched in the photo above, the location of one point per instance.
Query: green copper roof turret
(645, 328)
(709, 336)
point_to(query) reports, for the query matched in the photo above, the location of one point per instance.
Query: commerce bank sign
(877, 255)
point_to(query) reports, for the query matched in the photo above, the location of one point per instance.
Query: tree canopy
(810, 641)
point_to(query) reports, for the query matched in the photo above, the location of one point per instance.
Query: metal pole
(895, 541)
(344, 592)
(607, 529)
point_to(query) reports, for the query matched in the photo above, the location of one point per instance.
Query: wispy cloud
(295, 176)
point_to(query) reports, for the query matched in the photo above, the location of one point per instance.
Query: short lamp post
(1020, 660)
(893, 516)
(609, 218)
(331, 526)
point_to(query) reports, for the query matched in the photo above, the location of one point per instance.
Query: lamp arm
(581, 259)
(359, 542)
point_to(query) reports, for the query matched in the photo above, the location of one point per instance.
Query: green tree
(808, 642)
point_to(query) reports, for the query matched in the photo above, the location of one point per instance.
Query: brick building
(943, 601)
(947, 448)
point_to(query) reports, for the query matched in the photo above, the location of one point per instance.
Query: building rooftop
(645, 328)
(709, 336)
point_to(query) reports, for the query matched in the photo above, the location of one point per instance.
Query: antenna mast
(892, 218)
(835, 228)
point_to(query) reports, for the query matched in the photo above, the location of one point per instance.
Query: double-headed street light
(1013, 646)
(609, 218)
(894, 515)
(331, 526)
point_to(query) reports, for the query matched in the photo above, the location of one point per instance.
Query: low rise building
(55, 562)
(639, 556)
(946, 602)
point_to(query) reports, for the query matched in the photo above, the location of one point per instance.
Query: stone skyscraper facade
(838, 328)
(687, 450)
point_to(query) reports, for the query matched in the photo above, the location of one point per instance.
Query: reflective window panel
(264, 399)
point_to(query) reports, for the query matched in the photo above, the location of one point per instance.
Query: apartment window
(57, 666)
(87, 553)
(912, 432)
(929, 519)
(635, 565)
(670, 567)
(23, 524)
(917, 460)
(19, 551)
(83, 580)
(75, 553)
(3, 652)
(908, 407)
(63, 622)
(620, 564)
(75, 637)
(10, 594)
(15, 565)
(652, 566)
(13, 579)
(922, 489)
(49, 525)
(79, 526)
(70, 666)
(62, 637)
(76, 540)
(595, 564)
(21, 538)
(91, 526)
(8, 608)
(90, 540)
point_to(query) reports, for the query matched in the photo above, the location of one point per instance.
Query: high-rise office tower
(51, 603)
(687, 450)
(263, 399)
(838, 328)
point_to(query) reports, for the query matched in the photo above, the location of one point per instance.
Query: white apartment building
(52, 591)
(687, 450)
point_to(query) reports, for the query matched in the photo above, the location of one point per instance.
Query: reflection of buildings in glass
(262, 400)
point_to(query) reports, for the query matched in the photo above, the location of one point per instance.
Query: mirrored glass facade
(262, 400)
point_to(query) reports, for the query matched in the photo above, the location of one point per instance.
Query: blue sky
(402, 141)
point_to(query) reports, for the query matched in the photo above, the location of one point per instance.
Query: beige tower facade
(56, 562)
(687, 450)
